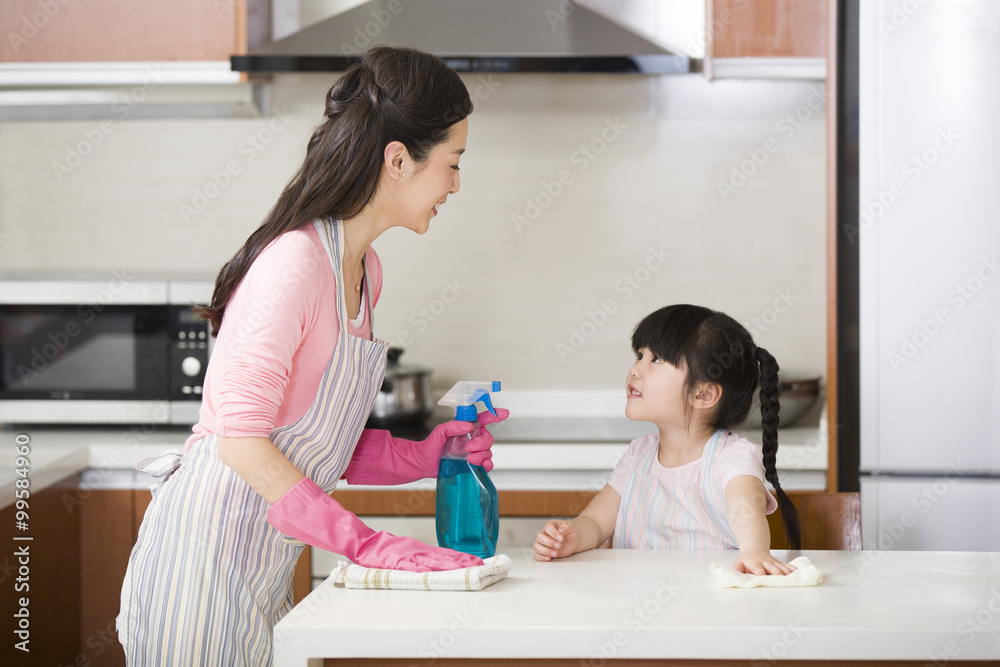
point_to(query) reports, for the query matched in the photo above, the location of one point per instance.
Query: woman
(292, 379)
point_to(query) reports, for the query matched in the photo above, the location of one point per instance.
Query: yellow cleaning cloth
(463, 579)
(806, 574)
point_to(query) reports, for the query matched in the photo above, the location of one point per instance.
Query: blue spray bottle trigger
(485, 398)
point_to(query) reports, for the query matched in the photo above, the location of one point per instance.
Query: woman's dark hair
(390, 94)
(715, 348)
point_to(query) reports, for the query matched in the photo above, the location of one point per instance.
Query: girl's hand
(760, 562)
(556, 539)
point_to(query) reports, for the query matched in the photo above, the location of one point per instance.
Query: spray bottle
(468, 510)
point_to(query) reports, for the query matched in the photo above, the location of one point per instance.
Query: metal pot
(796, 395)
(405, 396)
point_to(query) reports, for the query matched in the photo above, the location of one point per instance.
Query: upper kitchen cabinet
(116, 41)
(121, 30)
(772, 39)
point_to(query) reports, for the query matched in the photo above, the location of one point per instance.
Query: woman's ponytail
(769, 419)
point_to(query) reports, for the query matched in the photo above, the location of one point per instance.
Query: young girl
(696, 485)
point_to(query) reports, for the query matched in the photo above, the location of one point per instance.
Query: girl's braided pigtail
(769, 418)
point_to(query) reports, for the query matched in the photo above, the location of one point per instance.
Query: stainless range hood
(471, 36)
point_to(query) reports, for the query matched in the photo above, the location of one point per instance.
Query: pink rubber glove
(381, 459)
(311, 516)
(481, 448)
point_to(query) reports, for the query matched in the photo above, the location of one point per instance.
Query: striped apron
(692, 517)
(208, 577)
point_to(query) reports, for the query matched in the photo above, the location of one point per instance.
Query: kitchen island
(599, 607)
(528, 455)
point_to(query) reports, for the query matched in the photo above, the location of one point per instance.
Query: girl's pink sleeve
(739, 457)
(267, 319)
(619, 476)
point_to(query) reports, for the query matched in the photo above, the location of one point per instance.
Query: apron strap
(331, 232)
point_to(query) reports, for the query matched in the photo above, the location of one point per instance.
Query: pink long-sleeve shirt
(277, 338)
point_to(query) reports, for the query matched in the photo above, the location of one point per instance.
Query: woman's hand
(761, 562)
(379, 458)
(309, 515)
(480, 448)
(556, 539)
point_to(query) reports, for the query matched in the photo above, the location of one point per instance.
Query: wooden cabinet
(766, 38)
(118, 43)
(122, 30)
(42, 571)
(828, 520)
(107, 533)
(372, 502)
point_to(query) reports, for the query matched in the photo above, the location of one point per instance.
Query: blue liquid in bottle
(468, 511)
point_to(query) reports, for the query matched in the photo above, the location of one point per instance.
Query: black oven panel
(189, 348)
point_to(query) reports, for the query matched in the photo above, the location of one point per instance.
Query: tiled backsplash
(587, 201)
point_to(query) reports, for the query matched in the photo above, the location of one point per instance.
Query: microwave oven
(119, 351)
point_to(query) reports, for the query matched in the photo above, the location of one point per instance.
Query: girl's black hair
(715, 348)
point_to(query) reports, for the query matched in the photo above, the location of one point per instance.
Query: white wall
(523, 291)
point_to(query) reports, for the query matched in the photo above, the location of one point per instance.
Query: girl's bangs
(671, 333)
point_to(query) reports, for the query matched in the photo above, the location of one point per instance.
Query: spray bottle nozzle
(462, 398)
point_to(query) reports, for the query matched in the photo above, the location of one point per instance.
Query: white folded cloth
(463, 579)
(806, 574)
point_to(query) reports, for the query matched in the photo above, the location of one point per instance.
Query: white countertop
(106, 458)
(665, 604)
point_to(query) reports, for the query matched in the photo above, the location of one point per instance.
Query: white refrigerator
(929, 272)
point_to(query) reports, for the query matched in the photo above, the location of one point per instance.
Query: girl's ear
(707, 395)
